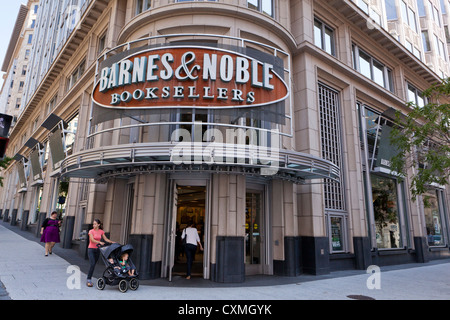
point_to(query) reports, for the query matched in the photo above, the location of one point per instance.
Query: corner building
(264, 122)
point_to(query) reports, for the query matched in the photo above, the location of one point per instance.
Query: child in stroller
(119, 268)
(124, 267)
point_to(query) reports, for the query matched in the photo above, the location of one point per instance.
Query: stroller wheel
(134, 284)
(123, 286)
(101, 284)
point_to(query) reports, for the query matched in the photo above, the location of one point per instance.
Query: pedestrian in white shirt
(192, 239)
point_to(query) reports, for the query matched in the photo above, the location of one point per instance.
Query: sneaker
(89, 283)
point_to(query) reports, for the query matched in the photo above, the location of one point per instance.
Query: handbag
(183, 240)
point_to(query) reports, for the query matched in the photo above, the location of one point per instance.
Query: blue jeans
(93, 255)
(190, 255)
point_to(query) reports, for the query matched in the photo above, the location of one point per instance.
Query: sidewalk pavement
(26, 274)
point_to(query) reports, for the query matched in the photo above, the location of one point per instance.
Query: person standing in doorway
(96, 237)
(50, 232)
(192, 239)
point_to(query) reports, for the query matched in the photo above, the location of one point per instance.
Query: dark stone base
(13, 221)
(229, 266)
(421, 248)
(6, 215)
(24, 221)
(303, 255)
(67, 232)
(42, 217)
(292, 265)
(363, 256)
(142, 256)
(315, 255)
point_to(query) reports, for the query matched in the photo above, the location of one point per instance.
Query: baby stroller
(115, 274)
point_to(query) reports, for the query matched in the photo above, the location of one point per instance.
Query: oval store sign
(189, 77)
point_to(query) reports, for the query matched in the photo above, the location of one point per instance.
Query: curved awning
(103, 163)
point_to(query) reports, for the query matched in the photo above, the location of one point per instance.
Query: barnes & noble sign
(201, 77)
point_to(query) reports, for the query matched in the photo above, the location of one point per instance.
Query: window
(384, 194)
(36, 7)
(334, 197)
(426, 41)
(30, 39)
(372, 69)
(363, 6)
(337, 237)
(76, 75)
(412, 19)
(324, 37)
(447, 34)
(443, 8)
(415, 96)
(24, 70)
(33, 23)
(102, 43)
(421, 8)
(440, 47)
(433, 218)
(51, 105)
(391, 10)
(18, 102)
(72, 127)
(434, 13)
(408, 16)
(417, 53)
(264, 6)
(385, 209)
(27, 54)
(142, 5)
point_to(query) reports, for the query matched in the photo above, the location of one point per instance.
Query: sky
(8, 16)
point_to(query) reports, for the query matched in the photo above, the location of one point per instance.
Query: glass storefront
(385, 208)
(385, 200)
(433, 221)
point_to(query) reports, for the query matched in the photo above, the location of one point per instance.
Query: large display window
(386, 213)
(384, 193)
(433, 218)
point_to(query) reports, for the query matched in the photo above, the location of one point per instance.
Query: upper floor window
(324, 37)
(372, 69)
(408, 16)
(440, 47)
(434, 13)
(415, 96)
(264, 6)
(76, 75)
(426, 41)
(102, 43)
(51, 105)
(421, 8)
(142, 5)
(391, 10)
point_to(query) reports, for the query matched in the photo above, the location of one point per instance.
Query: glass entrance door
(254, 245)
(190, 210)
